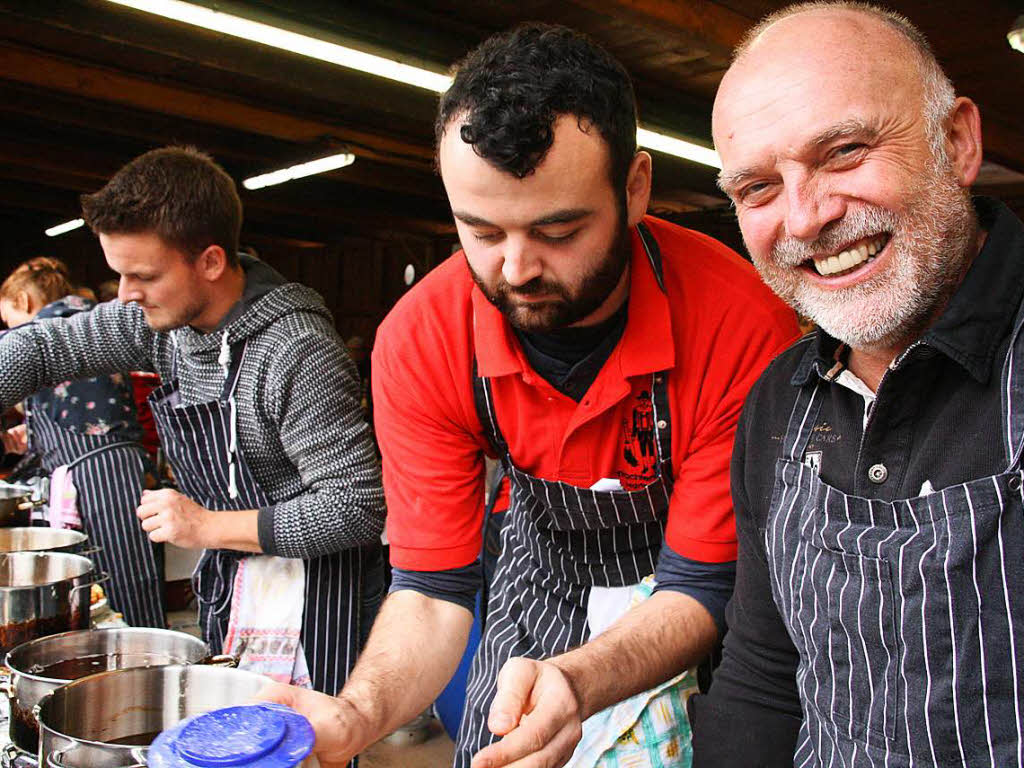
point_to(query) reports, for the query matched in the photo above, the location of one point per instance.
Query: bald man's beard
(930, 249)
(565, 305)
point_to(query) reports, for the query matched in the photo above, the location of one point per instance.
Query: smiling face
(845, 209)
(549, 250)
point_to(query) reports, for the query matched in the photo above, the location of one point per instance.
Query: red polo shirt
(714, 329)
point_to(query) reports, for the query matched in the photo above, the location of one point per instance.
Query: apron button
(662, 424)
(877, 473)
(1014, 483)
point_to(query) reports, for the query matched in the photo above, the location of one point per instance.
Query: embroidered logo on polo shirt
(639, 445)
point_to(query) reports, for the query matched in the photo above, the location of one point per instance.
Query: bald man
(878, 617)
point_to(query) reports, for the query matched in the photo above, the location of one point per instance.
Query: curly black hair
(513, 86)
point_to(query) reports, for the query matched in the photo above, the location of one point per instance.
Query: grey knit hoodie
(300, 426)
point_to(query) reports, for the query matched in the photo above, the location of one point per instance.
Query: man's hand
(168, 516)
(538, 713)
(333, 721)
(15, 439)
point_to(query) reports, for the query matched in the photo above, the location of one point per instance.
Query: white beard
(928, 251)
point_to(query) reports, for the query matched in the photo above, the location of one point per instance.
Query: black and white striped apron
(558, 541)
(908, 615)
(109, 475)
(201, 444)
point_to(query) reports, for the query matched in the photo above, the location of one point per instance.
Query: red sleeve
(433, 460)
(701, 524)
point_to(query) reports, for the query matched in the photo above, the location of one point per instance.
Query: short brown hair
(178, 193)
(45, 278)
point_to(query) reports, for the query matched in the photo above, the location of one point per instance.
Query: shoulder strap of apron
(1012, 394)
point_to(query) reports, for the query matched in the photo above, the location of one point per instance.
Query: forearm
(109, 339)
(235, 529)
(412, 652)
(652, 642)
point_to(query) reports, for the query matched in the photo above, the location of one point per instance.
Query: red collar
(647, 344)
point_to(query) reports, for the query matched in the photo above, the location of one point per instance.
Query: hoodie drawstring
(224, 361)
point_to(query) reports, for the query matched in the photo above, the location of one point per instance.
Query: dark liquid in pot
(72, 669)
(135, 740)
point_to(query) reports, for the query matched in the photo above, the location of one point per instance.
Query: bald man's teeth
(851, 258)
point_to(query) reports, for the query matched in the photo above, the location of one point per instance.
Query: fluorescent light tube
(1016, 35)
(677, 147)
(333, 53)
(303, 45)
(67, 226)
(322, 165)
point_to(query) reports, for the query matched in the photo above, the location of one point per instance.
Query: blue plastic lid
(268, 735)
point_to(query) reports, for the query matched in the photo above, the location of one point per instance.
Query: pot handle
(55, 759)
(221, 660)
(103, 576)
(139, 755)
(89, 552)
(31, 504)
(7, 687)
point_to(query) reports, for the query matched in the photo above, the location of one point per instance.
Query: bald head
(841, 44)
(848, 159)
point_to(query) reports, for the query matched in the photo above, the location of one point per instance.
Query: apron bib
(560, 547)
(908, 615)
(201, 444)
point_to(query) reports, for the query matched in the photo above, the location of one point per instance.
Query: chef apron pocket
(856, 594)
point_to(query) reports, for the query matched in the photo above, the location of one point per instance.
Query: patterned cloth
(300, 426)
(649, 730)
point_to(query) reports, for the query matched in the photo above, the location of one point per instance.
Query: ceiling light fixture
(275, 37)
(67, 226)
(314, 48)
(322, 165)
(1016, 35)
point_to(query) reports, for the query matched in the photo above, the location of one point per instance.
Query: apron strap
(1012, 395)
(801, 421)
(483, 401)
(653, 252)
(663, 426)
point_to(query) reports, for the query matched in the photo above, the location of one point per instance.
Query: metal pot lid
(28, 539)
(268, 735)
(37, 569)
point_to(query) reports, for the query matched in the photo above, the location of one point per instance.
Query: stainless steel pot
(43, 593)
(79, 722)
(44, 540)
(43, 665)
(16, 504)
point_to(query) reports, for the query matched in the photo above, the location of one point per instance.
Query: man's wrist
(574, 672)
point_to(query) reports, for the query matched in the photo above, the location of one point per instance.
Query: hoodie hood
(268, 296)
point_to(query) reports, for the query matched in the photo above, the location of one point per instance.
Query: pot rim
(119, 630)
(34, 553)
(45, 699)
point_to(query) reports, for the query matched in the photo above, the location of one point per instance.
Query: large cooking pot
(44, 540)
(108, 720)
(40, 666)
(16, 504)
(43, 593)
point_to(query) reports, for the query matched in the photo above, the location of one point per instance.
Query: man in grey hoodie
(259, 410)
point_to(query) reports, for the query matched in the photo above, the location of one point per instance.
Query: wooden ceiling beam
(56, 73)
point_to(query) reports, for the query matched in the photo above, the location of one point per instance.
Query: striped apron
(907, 614)
(109, 475)
(201, 444)
(557, 543)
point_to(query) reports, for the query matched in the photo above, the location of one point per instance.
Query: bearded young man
(879, 604)
(603, 356)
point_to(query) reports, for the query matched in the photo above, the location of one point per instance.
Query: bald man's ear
(963, 140)
(638, 188)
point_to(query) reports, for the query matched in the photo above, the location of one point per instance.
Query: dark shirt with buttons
(935, 422)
